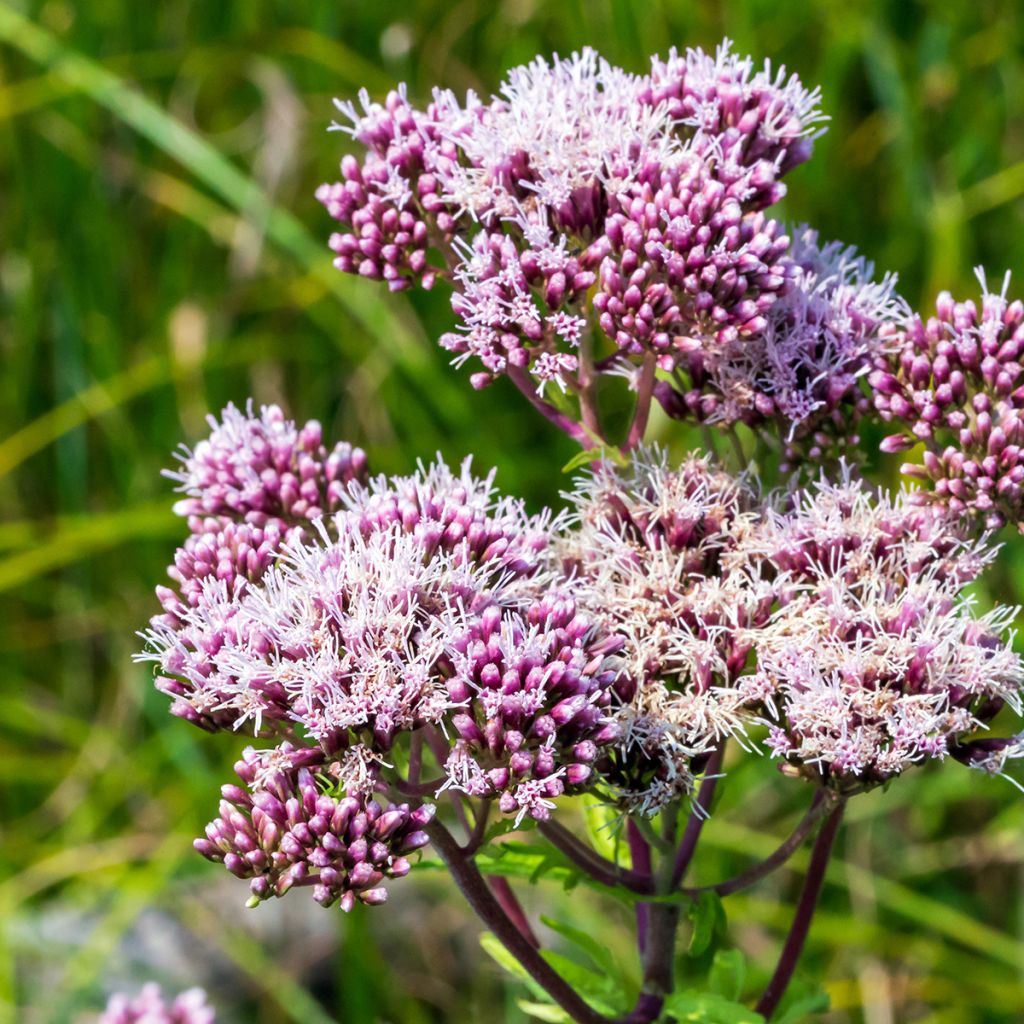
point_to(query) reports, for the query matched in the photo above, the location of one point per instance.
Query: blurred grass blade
(93, 401)
(371, 308)
(80, 538)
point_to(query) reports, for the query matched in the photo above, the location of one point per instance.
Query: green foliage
(161, 254)
(709, 1008)
(707, 918)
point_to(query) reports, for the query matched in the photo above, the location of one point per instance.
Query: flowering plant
(427, 665)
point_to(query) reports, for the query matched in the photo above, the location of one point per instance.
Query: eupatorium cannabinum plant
(425, 664)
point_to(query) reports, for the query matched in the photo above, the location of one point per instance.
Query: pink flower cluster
(150, 1007)
(425, 604)
(955, 385)
(431, 624)
(873, 661)
(584, 196)
(285, 831)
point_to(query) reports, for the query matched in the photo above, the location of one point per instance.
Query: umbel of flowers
(422, 662)
(150, 1007)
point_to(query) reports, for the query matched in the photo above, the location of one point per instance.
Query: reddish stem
(640, 854)
(819, 805)
(699, 814)
(509, 902)
(590, 861)
(472, 885)
(521, 379)
(644, 393)
(805, 908)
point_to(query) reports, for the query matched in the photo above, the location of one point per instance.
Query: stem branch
(590, 861)
(819, 806)
(699, 814)
(644, 393)
(472, 885)
(521, 379)
(801, 925)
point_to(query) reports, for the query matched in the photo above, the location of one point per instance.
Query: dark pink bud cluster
(391, 204)
(456, 513)
(150, 1007)
(799, 374)
(955, 385)
(510, 303)
(286, 830)
(263, 467)
(532, 692)
(218, 549)
(250, 485)
(575, 162)
(686, 265)
(757, 121)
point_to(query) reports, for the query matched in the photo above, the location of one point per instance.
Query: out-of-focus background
(161, 253)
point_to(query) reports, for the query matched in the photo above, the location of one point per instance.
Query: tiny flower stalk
(415, 657)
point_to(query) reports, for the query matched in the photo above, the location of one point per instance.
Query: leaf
(597, 952)
(600, 453)
(521, 860)
(545, 1011)
(799, 1009)
(692, 1007)
(707, 916)
(503, 958)
(728, 972)
(599, 990)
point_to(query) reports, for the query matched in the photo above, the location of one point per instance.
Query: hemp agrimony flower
(874, 661)
(150, 1007)
(425, 662)
(955, 384)
(659, 554)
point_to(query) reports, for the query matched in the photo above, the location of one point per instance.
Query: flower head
(874, 661)
(802, 370)
(956, 383)
(150, 1007)
(287, 830)
(660, 560)
(575, 169)
(534, 689)
(258, 468)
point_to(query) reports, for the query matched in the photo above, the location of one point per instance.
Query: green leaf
(706, 916)
(799, 1010)
(602, 452)
(597, 952)
(694, 1007)
(599, 990)
(503, 958)
(728, 973)
(545, 1011)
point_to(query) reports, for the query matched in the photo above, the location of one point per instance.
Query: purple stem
(410, 788)
(415, 758)
(472, 885)
(521, 379)
(699, 814)
(819, 805)
(640, 855)
(590, 861)
(645, 390)
(659, 954)
(509, 902)
(801, 925)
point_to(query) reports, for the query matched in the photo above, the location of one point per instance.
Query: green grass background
(161, 253)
